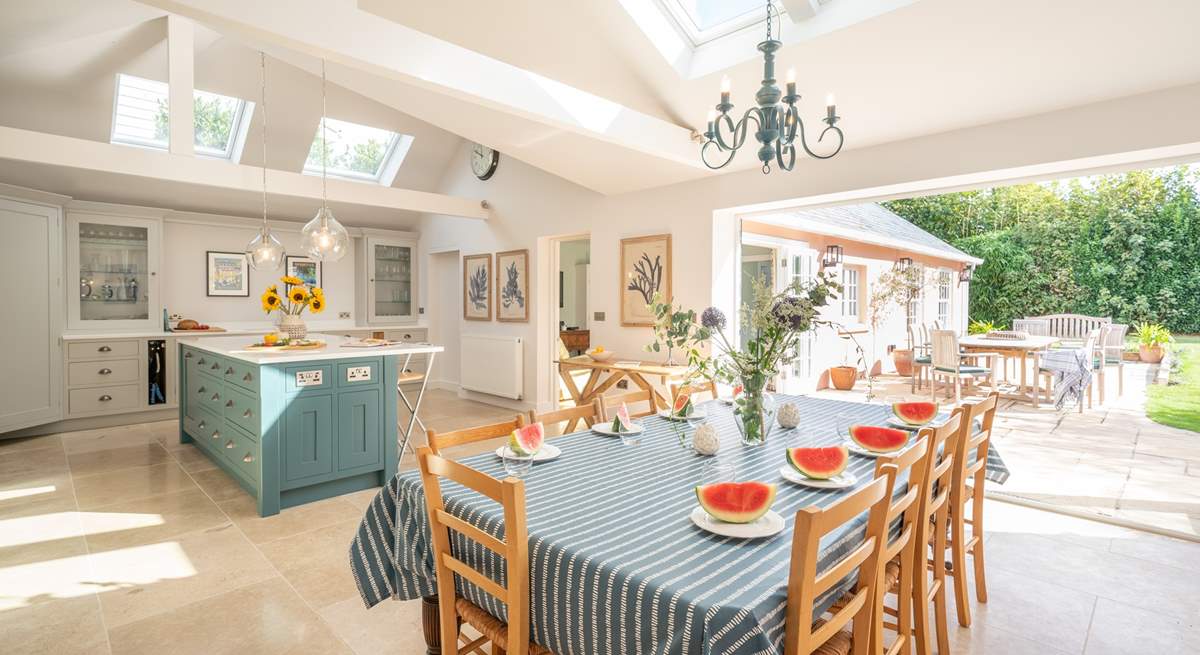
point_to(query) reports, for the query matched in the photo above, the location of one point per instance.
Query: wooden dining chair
(966, 503)
(935, 505)
(566, 421)
(826, 637)
(609, 403)
(439, 441)
(513, 636)
(900, 555)
(947, 363)
(708, 386)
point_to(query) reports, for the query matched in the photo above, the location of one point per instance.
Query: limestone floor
(1110, 460)
(123, 541)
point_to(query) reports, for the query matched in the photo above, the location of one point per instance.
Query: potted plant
(297, 297)
(1152, 339)
(892, 290)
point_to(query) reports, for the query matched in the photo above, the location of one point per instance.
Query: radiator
(493, 365)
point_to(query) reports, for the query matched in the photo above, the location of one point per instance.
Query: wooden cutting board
(210, 329)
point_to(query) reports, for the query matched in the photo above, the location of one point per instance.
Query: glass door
(799, 375)
(113, 262)
(391, 281)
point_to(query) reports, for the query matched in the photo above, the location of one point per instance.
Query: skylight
(705, 20)
(358, 152)
(141, 118)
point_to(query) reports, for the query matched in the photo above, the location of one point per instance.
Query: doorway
(445, 288)
(778, 263)
(574, 277)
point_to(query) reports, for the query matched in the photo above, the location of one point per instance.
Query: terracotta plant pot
(1151, 354)
(843, 377)
(903, 359)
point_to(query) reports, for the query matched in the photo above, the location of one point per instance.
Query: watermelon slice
(622, 422)
(879, 439)
(736, 502)
(683, 405)
(528, 440)
(915, 414)
(819, 463)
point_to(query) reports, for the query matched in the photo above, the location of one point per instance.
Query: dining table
(1024, 350)
(616, 564)
(605, 374)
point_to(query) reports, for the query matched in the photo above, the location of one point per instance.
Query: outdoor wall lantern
(904, 263)
(967, 272)
(833, 256)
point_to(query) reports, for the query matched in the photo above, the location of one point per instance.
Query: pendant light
(264, 251)
(324, 238)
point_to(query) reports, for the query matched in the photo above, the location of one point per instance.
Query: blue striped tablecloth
(616, 566)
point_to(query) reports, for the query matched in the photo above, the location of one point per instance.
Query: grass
(1178, 404)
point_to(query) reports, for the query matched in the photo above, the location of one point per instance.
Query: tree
(213, 119)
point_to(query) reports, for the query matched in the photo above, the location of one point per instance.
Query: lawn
(1178, 405)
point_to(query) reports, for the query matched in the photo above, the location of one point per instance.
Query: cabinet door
(31, 387)
(308, 437)
(112, 264)
(359, 439)
(391, 283)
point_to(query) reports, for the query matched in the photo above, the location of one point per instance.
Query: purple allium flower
(793, 313)
(713, 319)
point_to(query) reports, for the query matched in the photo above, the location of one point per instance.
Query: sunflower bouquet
(298, 297)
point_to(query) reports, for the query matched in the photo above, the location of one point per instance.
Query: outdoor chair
(947, 364)
(1093, 346)
(922, 357)
(1114, 352)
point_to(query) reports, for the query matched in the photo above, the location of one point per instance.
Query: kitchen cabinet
(387, 273)
(112, 271)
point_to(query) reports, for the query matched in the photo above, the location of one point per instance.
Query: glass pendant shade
(324, 238)
(265, 251)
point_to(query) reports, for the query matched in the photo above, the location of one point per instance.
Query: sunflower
(317, 292)
(291, 279)
(316, 304)
(271, 301)
(298, 294)
(273, 289)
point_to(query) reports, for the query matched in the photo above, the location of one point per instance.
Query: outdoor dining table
(602, 376)
(616, 565)
(1025, 349)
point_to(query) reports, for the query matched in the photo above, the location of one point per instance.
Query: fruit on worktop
(736, 502)
(527, 440)
(819, 463)
(915, 414)
(270, 339)
(878, 439)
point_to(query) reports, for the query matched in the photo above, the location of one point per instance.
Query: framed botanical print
(512, 286)
(228, 274)
(645, 271)
(477, 292)
(305, 268)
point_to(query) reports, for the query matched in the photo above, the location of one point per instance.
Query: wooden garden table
(1022, 349)
(604, 375)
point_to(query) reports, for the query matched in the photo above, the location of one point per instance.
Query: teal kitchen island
(294, 426)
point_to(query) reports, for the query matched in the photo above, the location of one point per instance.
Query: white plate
(840, 481)
(696, 415)
(768, 525)
(606, 429)
(934, 422)
(859, 450)
(547, 453)
(728, 400)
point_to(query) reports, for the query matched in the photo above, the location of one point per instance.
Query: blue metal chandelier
(775, 127)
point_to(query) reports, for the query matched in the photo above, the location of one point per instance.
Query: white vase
(293, 326)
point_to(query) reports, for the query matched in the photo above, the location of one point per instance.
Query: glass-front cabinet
(112, 264)
(391, 272)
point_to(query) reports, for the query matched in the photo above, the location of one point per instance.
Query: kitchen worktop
(237, 328)
(235, 347)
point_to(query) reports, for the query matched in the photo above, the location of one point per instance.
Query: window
(850, 292)
(913, 310)
(706, 20)
(943, 306)
(358, 152)
(141, 118)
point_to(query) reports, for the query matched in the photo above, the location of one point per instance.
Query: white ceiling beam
(56, 150)
(181, 80)
(800, 10)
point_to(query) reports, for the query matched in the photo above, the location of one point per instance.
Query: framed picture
(645, 270)
(305, 268)
(228, 274)
(477, 292)
(512, 286)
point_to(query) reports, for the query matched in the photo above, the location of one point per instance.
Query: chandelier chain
(262, 64)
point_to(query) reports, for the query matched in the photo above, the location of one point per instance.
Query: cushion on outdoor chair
(924, 359)
(963, 370)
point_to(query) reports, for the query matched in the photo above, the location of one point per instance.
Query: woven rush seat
(839, 644)
(497, 631)
(891, 580)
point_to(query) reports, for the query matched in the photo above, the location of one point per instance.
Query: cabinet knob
(247, 414)
(216, 434)
(105, 371)
(248, 458)
(104, 349)
(215, 366)
(202, 424)
(201, 390)
(247, 377)
(229, 403)
(215, 397)
(229, 371)
(105, 398)
(187, 355)
(229, 444)
(201, 362)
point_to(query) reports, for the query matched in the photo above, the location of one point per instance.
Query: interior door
(31, 387)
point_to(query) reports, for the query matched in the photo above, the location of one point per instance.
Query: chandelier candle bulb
(791, 82)
(725, 91)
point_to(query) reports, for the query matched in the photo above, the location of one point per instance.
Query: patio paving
(1110, 460)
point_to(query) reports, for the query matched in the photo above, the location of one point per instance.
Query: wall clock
(484, 161)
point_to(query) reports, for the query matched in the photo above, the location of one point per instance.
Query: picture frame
(645, 270)
(227, 274)
(512, 286)
(305, 268)
(477, 292)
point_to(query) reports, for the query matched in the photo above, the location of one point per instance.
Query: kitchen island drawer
(103, 399)
(207, 393)
(78, 350)
(241, 409)
(102, 372)
(243, 374)
(240, 451)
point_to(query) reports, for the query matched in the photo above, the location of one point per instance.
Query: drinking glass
(718, 470)
(516, 465)
(632, 438)
(843, 422)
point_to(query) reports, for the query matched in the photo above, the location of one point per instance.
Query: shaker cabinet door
(359, 439)
(308, 437)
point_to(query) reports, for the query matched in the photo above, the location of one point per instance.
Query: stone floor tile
(70, 626)
(151, 519)
(130, 484)
(116, 459)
